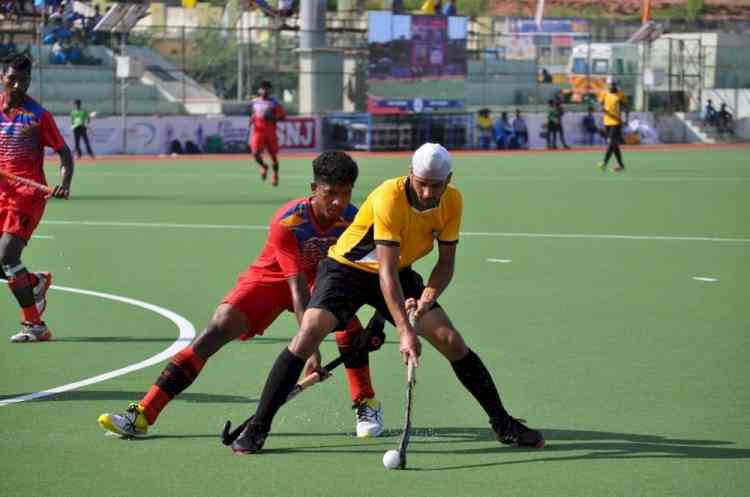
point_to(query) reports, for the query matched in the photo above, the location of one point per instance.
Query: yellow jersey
(387, 217)
(612, 103)
(484, 123)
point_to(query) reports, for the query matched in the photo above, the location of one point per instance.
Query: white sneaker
(32, 332)
(131, 423)
(369, 418)
(40, 291)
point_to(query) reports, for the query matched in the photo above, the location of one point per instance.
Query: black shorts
(342, 290)
(614, 133)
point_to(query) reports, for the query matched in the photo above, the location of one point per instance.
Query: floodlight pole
(240, 56)
(123, 103)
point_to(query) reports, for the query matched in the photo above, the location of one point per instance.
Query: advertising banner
(156, 135)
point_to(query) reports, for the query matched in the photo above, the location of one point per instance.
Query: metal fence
(211, 70)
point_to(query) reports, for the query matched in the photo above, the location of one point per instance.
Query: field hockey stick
(25, 181)
(406, 435)
(411, 381)
(228, 436)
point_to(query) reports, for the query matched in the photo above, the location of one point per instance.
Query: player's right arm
(393, 294)
(387, 225)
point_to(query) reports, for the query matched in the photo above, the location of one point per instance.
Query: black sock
(474, 376)
(618, 156)
(608, 154)
(280, 382)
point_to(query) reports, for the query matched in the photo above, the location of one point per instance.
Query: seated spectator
(544, 77)
(75, 53)
(590, 129)
(521, 131)
(450, 8)
(724, 120)
(397, 6)
(484, 128)
(58, 15)
(503, 132)
(432, 7)
(709, 116)
(59, 54)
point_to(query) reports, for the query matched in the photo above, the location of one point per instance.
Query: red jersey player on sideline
(265, 111)
(280, 279)
(25, 129)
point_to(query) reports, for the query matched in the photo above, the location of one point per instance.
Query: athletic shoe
(512, 431)
(618, 169)
(44, 280)
(131, 423)
(263, 172)
(251, 439)
(32, 332)
(275, 179)
(602, 166)
(369, 418)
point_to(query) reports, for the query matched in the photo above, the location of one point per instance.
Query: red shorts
(20, 222)
(260, 302)
(265, 140)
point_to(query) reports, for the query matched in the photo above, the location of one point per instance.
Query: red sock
(357, 367)
(360, 385)
(153, 403)
(31, 314)
(179, 374)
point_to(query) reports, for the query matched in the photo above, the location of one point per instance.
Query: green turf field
(596, 332)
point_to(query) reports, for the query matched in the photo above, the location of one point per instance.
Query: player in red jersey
(25, 129)
(265, 112)
(280, 279)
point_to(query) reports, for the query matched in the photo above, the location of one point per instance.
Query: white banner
(573, 128)
(154, 135)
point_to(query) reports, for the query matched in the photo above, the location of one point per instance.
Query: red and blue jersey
(24, 132)
(259, 108)
(296, 243)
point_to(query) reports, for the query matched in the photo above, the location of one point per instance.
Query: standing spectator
(79, 119)
(560, 114)
(450, 8)
(521, 130)
(484, 127)
(552, 125)
(590, 129)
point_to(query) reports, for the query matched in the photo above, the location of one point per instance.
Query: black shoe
(251, 439)
(512, 431)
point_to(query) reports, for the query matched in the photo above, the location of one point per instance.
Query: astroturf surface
(575, 287)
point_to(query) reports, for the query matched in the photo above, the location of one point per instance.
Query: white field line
(501, 261)
(251, 174)
(254, 227)
(187, 333)
(705, 278)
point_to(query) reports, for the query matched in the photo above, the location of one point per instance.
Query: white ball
(391, 459)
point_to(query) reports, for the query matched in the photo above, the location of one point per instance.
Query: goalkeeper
(300, 234)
